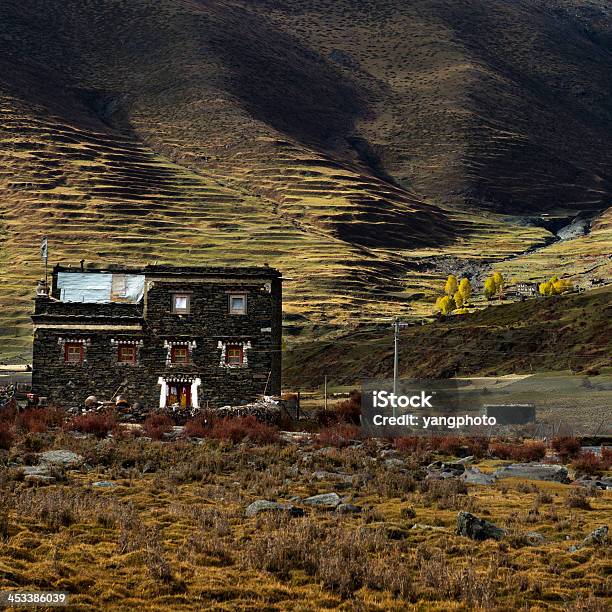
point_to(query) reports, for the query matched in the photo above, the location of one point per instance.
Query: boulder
(263, 505)
(604, 483)
(440, 470)
(534, 538)
(475, 476)
(36, 470)
(347, 509)
(476, 528)
(104, 484)
(324, 501)
(534, 471)
(62, 458)
(597, 537)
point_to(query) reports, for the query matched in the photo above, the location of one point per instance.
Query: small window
(233, 355)
(126, 353)
(181, 303)
(179, 354)
(73, 352)
(237, 303)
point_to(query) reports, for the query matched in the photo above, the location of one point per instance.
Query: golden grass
(178, 539)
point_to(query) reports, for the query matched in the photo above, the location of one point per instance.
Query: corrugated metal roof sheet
(96, 288)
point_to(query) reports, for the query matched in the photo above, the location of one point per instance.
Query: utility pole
(325, 386)
(397, 325)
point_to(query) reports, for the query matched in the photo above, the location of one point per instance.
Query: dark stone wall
(208, 323)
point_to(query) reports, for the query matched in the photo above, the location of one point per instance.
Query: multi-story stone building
(159, 335)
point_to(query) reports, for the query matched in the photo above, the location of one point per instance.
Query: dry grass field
(168, 531)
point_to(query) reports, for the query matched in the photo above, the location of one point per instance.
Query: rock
(103, 483)
(476, 528)
(393, 462)
(347, 509)
(466, 460)
(597, 537)
(440, 470)
(424, 526)
(534, 471)
(263, 505)
(62, 458)
(604, 483)
(36, 470)
(325, 501)
(475, 476)
(91, 402)
(534, 538)
(340, 476)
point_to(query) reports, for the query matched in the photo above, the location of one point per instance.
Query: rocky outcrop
(476, 528)
(534, 471)
(264, 505)
(325, 501)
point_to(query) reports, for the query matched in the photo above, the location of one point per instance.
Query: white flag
(44, 249)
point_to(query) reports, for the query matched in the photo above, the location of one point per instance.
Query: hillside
(350, 144)
(568, 332)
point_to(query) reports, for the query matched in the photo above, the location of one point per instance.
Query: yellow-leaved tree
(498, 279)
(447, 305)
(465, 288)
(555, 286)
(451, 285)
(458, 297)
(490, 288)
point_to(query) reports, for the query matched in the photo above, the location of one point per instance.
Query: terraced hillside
(350, 144)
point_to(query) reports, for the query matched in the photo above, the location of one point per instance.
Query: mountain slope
(348, 143)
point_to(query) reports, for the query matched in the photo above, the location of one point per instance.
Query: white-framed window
(181, 303)
(237, 303)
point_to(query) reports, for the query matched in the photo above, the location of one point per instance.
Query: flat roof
(156, 270)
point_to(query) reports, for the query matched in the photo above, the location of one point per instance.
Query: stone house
(182, 337)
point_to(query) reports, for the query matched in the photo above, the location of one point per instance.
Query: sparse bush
(100, 424)
(339, 436)
(578, 498)
(567, 447)
(39, 420)
(528, 451)
(606, 457)
(6, 435)
(410, 444)
(198, 427)
(156, 425)
(588, 463)
(243, 428)
(349, 411)
(325, 418)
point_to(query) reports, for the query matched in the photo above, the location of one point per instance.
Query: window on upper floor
(73, 352)
(234, 355)
(179, 354)
(181, 303)
(126, 353)
(237, 303)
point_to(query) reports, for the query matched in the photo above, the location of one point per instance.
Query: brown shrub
(410, 444)
(349, 411)
(6, 435)
(156, 425)
(100, 424)
(606, 457)
(38, 420)
(528, 451)
(578, 498)
(198, 427)
(567, 447)
(339, 436)
(243, 428)
(588, 463)
(325, 418)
